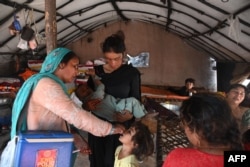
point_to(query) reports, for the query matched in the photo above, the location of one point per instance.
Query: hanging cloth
(234, 28)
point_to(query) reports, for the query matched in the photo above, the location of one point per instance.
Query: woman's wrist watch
(112, 130)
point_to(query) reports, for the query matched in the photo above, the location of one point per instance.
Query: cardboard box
(44, 149)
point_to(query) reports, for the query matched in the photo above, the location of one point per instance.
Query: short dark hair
(91, 83)
(191, 80)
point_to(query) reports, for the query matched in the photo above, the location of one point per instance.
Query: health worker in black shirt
(121, 81)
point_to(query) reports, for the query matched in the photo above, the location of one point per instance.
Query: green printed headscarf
(49, 66)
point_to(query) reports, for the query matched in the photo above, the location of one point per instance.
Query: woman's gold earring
(61, 66)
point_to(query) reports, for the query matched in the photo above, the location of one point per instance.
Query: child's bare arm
(91, 104)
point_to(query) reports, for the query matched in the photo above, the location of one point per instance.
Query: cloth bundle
(28, 35)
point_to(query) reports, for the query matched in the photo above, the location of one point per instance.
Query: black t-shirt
(121, 83)
(183, 91)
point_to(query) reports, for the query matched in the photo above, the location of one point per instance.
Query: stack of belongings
(8, 90)
(82, 78)
(35, 65)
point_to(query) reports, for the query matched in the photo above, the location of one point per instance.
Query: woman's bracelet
(112, 130)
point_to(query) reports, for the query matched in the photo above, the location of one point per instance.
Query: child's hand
(91, 104)
(90, 72)
(124, 116)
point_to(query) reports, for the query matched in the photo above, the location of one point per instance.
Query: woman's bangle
(112, 130)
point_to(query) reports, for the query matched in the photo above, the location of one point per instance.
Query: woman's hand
(117, 129)
(124, 116)
(90, 72)
(81, 144)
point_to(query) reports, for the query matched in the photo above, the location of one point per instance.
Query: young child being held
(137, 145)
(106, 105)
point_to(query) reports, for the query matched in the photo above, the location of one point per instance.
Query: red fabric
(247, 146)
(188, 157)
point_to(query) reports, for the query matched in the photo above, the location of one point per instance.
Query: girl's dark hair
(209, 115)
(91, 83)
(114, 43)
(144, 140)
(68, 57)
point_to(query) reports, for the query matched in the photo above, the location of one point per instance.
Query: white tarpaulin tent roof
(221, 28)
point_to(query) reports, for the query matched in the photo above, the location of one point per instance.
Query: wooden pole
(50, 25)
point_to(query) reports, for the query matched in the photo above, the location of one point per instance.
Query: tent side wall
(171, 59)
